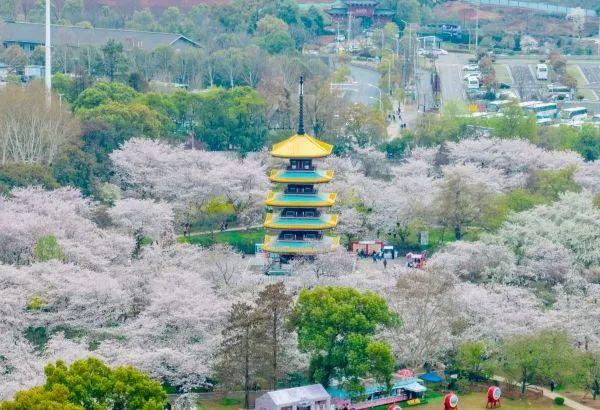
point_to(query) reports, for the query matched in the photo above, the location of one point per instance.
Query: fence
(545, 7)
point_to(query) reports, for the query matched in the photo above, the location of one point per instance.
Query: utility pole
(337, 39)
(350, 29)
(390, 76)
(48, 45)
(477, 26)
(382, 43)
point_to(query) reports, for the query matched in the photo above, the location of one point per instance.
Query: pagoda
(299, 211)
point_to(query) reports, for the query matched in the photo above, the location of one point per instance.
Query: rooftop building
(28, 36)
(369, 11)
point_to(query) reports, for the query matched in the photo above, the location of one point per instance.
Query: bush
(559, 400)
(20, 174)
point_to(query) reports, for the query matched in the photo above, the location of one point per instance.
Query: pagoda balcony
(305, 247)
(324, 221)
(313, 176)
(281, 199)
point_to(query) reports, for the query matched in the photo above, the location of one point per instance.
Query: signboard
(424, 236)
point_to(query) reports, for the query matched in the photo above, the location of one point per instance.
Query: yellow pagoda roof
(301, 146)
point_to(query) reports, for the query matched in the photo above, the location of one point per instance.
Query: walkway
(216, 231)
(547, 393)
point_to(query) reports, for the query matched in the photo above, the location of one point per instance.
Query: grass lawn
(220, 404)
(244, 241)
(581, 82)
(502, 74)
(477, 401)
(466, 402)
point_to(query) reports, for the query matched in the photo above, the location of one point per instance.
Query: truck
(541, 72)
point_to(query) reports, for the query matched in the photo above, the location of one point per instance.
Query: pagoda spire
(301, 108)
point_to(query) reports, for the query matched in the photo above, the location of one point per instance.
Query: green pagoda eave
(275, 245)
(286, 176)
(283, 200)
(324, 221)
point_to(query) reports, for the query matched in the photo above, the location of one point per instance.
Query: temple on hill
(299, 211)
(367, 10)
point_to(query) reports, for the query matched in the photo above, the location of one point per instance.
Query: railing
(550, 8)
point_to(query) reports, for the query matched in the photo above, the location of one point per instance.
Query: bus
(574, 114)
(497, 105)
(541, 72)
(542, 110)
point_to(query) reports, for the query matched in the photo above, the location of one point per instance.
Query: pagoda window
(310, 236)
(290, 213)
(289, 236)
(300, 189)
(309, 214)
(301, 164)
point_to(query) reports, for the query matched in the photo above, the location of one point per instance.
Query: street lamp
(380, 96)
(48, 53)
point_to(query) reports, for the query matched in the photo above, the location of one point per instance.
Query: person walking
(384, 264)
(552, 385)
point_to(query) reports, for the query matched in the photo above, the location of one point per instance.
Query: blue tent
(431, 377)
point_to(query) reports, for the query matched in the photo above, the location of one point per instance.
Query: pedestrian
(552, 385)
(384, 264)
(374, 256)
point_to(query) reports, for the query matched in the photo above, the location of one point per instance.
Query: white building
(313, 397)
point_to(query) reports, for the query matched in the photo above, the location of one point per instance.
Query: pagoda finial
(301, 109)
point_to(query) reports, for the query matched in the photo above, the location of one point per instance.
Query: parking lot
(525, 83)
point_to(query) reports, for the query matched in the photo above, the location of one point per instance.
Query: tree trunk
(457, 233)
(274, 380)
(524, 383)
(247, 371)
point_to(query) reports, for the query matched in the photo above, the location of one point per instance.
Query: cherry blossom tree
(189, 178)
(144, 217)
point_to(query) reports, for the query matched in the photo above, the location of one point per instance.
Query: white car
(475, 74)
(471, 67)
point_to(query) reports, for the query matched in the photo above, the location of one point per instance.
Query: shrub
(559, 400)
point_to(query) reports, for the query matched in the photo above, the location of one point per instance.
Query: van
(541, 72)
(473, 83)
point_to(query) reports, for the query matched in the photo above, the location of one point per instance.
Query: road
(425, 99)
(449, 68)
(365, 94)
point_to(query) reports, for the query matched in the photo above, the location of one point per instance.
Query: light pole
(48, 53)
(477, 26)
(406, 54)
(380, 96)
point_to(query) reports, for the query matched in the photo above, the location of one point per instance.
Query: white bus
(574, 114)
(542, 110)
(541, 72)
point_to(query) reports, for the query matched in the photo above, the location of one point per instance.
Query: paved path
(551, 395)
(216, 231)
(449, 68)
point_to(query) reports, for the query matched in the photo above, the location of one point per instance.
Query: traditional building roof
(289, 397)
(361, 2)
(384, 12)
(301, 146)
(33, 33)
